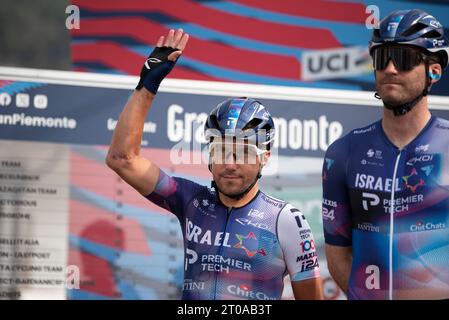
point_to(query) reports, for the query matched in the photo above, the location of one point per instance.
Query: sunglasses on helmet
(404, 58)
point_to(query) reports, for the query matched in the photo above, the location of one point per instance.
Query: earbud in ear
(434, 76)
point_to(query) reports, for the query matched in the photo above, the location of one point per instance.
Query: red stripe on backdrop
(122, 6)
(5, 82)
(118, 58)
(276, 33)
(185, 73)
(317, 9)
(108, 53)
(190, 11)
(81, 69)
(213, 53)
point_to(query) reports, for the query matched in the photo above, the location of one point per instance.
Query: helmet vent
(414, 29)
(252, 124)
(431, 34)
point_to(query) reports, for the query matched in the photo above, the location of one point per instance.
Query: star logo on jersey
(408, 181)
(249, 244)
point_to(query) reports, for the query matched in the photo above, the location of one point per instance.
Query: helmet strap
(400, 110)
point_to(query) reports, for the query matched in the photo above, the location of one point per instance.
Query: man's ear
(435, 72)
(266, 157)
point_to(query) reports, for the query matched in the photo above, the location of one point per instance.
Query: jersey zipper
(228, 213)
(390, 251)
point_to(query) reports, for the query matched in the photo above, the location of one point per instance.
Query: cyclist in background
(386, 186)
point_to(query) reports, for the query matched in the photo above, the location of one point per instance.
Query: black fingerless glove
(156, 68)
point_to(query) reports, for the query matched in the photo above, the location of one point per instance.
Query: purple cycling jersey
(392, 207)
(237, 253)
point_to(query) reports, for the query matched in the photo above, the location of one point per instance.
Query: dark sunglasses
(404, 58)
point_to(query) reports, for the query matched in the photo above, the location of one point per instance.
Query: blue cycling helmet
(413, 27)
(243, 118)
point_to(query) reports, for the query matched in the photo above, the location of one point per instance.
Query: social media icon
(5, 99)
(40, 101)
(22, 100)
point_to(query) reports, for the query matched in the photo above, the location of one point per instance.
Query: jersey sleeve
(298, 245)
(172, 193)
(336, 209)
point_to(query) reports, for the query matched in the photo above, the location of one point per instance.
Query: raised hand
(162, 60)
